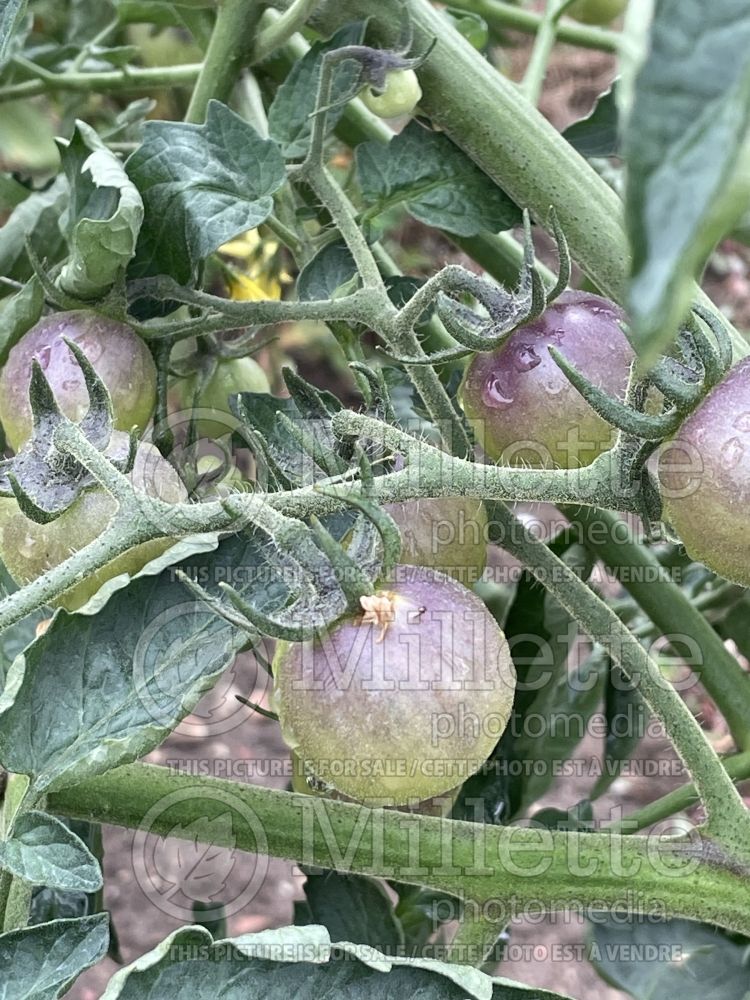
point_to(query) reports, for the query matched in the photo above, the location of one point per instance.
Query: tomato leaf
(36, 219)
(352, 908)
(435, 181)
(303, 963)
(289, 120)
(201, 186)
(687, 173)
(597, 134)
(12, 17)
(39, 963)
(332, 267)
(18, 313)
(103, 217)
(685, 959)
(43, 851)
(98, 690)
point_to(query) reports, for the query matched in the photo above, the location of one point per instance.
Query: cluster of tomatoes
(425, 645)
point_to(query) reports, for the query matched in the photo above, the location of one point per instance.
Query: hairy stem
(133, 78)
(510, 866)
(724, 807)
(229, 48)
(652, 587)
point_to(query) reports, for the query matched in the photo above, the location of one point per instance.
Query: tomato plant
(120, 357)
(505, 424)
(522, 407)
(399, 689)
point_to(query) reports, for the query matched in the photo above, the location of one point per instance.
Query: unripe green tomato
(401, 95)
(448, 533)
(704, 474)
(121, 360)
(521, 406)
(214, 417)
(29, 549)
(596, 11)
(403, 708)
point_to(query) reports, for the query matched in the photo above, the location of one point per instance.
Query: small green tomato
(401, 95)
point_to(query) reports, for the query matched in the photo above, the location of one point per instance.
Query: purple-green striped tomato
(704, 474)
(404, 701)
(120, 357)
(523, 409)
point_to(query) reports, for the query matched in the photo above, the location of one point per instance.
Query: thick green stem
(725, 809)
(281, 28)
(669, 608)
(229, 48)
(508, 15)
(509, 866)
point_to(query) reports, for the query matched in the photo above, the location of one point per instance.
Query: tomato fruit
(29, 549)
(523, 409)
(119, 356)
(449, 534)
(704, 474)
(403, 709)
(210, 403)
(596, 11)
(401, 95)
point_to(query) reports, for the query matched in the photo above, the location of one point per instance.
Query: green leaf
(687, 153)
(36, 219)
(12, 15)
(289, 120)
(299, 962)
(597, 134)
(103, 217)
(353, 908)
(436, 181)
(331, 268)
(98, 690)
(201, 185)
(43, 851)
(40, 963)
(680, 959)
(18, 313)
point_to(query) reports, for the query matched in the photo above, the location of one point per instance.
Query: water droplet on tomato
(43, 356)
(742, 422)
(28, 546)
(731, 454)
(496, 394)
(526, 358)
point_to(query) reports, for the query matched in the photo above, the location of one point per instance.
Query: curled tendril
(506, 311)
(682, 381)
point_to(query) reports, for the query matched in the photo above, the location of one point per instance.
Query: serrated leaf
(100, 690)
(686, 145)
(330, 269)
(303, 963)
(598, 133)
(39, 963)
(35, 219)
(435, 180)
(201, 186)
(12, 14)
(43, 851)
(289, 120)
(685, 959)
(103, 217)
(352, 908)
